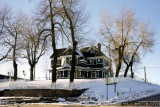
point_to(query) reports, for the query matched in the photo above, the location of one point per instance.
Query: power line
(147, 67)
(145, 77)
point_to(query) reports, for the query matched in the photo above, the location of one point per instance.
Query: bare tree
(135, 57)
(75, 19)
(5, 50)
(48, 15)
(10, 24)
(121, 32)
(115, 34)
(34, 44)
(144, 40)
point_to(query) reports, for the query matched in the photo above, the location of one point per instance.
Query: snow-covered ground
(127, 88)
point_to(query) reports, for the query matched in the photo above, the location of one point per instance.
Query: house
(91, 63)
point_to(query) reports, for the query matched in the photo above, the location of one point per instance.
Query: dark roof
(85, 52)
(59, 52)
(63, 52)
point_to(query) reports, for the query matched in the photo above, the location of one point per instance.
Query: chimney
(99, 47)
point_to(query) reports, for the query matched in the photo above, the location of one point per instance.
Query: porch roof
(80, 68)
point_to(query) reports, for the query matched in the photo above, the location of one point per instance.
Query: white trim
(69, 47)
(91, 48)
(57, 58)
(69, 56)
(94, 57)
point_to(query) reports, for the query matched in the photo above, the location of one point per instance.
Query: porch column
(67, 74)
(97, 74)
(49, 75)
(63, 74)
(76, 73)
(102, 74)
(91, 74)
(80, 73)
(87, 74)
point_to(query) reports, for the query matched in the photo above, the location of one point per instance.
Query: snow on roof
(80, 53)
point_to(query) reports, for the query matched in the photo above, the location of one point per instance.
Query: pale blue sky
(145, 10)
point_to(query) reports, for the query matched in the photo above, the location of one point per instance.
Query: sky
(145, 10)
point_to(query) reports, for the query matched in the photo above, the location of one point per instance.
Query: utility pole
(145, 74)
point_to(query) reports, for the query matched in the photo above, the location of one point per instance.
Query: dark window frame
(100, 61)
(58, 61)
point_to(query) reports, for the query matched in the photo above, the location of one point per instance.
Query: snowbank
(127, 88)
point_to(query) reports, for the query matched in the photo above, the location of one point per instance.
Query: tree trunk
(31, 73)
(110, 69)
(73, 51)
(120, 58)
(54, 77)
(14, 65)
(132, 73)
(117, 70)
(126, 71)
(15, 70)
(118, 67)
(34, 70)
(73, 62)
(111, 73)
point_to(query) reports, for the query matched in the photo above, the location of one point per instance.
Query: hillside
(128, 89)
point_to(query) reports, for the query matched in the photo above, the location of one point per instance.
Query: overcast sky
(145, 10)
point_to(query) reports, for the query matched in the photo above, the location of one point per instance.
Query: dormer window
(92, 51)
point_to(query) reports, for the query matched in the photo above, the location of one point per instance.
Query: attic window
(92, 51)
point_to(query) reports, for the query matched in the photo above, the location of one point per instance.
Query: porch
(65, 74)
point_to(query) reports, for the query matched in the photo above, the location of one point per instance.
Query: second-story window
(106, 63)
(59, 62)
(91, 61)
(92, 51)
(100, 61)
(67, 60)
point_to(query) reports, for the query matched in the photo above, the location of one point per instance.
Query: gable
(84, 52)
(91, 52)
(68, 51)
(59, 52)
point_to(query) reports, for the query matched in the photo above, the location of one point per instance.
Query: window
(106, 63)
(81, 62)
(67, 60)
(58, 62)
(91, 61)
(92, 51)
(99, 61)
